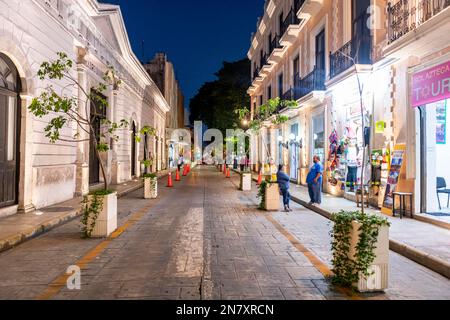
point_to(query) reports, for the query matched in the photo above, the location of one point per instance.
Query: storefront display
(397, 161)
(441, 114)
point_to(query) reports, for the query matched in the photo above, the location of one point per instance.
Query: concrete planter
(246, 182)
(106, 222)
(272, 201)
(378, 281)
(150, 188)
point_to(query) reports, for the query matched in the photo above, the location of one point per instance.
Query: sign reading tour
(431, 85)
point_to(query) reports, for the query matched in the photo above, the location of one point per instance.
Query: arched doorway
(133, 150)
(9, 132)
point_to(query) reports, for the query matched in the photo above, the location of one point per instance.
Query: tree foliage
(216, 102)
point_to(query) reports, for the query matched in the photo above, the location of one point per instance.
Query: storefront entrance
(319, 137)
(294, 153)
(9, 128)
(435, 156)
(430, 94)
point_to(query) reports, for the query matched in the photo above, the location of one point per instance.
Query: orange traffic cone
(177, 176)
(189, 168)
(185, 171)
(259, 178)
(228, 173)
(169, 181)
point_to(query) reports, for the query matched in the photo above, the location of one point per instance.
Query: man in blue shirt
(284, 183)
(314, 181)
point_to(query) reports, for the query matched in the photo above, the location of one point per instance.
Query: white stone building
(33, 172)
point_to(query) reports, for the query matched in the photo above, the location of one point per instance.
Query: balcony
(356, 51)
(404, 17)
(414, 26)
(276, 50)
(315, 81)
(308, 8)
(275, 44)
(266, 66)
(290, 28)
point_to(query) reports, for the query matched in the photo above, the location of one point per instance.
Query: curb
(38, 230)
(433, 263)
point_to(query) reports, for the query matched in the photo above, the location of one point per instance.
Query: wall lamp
(283, 144)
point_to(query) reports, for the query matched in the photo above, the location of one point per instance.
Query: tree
(216, 101)
(63, 110)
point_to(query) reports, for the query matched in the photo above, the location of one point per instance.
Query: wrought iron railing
(315, 81)
(356, 51)
(275, 43)
(256, 73)
(406, 15)
(264, 60)
(291, 19)
(298, 4)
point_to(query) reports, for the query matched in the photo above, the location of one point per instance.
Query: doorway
(97, 114)
(435, 135)
(294, 153)
(133, 150)
(9, 132)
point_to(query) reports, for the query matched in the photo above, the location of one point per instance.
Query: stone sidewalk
(422, 242)
(18, 228)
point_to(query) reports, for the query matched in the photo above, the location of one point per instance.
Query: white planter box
(378, 281)
(106, 222)
(150, 188)
(272, 198)
(246, 182)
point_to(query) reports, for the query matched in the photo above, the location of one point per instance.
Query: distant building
(162, 71)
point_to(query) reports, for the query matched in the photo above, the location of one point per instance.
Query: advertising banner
(431, 85)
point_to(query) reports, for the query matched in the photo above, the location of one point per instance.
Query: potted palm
(60, 110)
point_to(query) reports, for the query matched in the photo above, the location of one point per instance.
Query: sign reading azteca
(431, 85)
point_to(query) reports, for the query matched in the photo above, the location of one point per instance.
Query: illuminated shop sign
(431, 85)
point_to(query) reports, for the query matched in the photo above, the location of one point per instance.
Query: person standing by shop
(284, 184)
(314, 181)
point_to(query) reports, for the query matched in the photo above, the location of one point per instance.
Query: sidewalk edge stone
(433, 263)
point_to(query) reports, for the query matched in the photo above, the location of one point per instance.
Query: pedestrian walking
(180, 162)
(314, 181)
(243, 162)
(284, 183)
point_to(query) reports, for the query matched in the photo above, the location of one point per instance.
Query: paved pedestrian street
(202, 239)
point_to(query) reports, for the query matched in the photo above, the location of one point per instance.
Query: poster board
(397, 172)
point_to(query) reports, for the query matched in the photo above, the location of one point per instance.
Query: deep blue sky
(197, 35)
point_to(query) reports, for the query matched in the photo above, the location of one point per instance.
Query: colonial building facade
(163, 73)
(344, 59)
(33, 172)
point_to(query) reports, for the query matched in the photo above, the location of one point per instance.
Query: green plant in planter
(346, 270)
(149, 176)
(92, 205)
(262, 193)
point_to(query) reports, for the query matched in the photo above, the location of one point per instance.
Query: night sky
(197, 35)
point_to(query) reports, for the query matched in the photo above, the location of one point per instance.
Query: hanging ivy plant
(92, 205)
(262, 194)
(347, 270)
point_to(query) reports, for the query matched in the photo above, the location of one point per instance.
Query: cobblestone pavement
(202, 239)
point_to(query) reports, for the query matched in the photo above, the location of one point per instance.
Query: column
(26, 158)
(82, 162)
